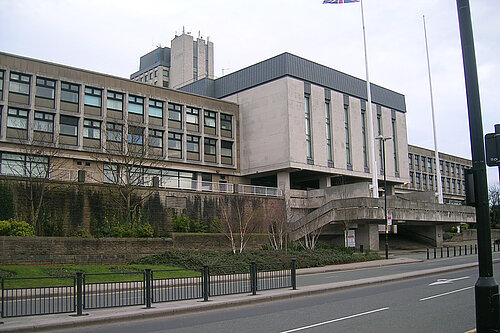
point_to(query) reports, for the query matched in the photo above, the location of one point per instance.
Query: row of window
(421, 162)
(152, 77)
(425, 181)
(21, 165)
(45, 88)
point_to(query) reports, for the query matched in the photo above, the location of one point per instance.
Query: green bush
(128, 231)
(81, 232)
(16, 228)
(185, 224)
(145, 231)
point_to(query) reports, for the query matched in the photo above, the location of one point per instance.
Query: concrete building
(423, 177)
(186, 61)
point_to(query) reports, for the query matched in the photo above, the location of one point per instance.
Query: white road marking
(447, 281)
(444, 294)
(334, 320)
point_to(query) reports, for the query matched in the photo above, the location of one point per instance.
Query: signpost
(350, 238)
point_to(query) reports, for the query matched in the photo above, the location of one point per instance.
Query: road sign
(389, 219)
(492, 143)
(350, 238)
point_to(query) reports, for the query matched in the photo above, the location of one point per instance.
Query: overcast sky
(110, 36)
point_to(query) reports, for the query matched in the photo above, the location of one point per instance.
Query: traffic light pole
(486, 289)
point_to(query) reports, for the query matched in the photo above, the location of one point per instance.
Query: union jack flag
(339, 1)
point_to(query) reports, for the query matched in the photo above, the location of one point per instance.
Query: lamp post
(383, 139)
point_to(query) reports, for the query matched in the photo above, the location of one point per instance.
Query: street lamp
(383, 139)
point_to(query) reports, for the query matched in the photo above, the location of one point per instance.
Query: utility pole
(486, 288)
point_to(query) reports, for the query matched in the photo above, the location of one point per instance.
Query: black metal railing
(48, 295)
(98, 295)
(455, 251)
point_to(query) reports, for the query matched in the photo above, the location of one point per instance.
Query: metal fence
(49, 295)
(457, 250)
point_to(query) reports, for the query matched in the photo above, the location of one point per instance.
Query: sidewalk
(93, 317)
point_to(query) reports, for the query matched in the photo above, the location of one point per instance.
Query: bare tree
(311, 236)
(238, 222)
(276, 217)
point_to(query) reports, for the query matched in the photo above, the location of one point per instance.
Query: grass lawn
(23, 276)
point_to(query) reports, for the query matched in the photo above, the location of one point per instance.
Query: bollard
(294, 274)
(475, 248)
(460, 250)
(441, 252)
(206, 282)
(79, 293)
(454, 251)
(434, 253)
(470, 249)
(253, 277)
(147, 286)
(361, 248)
(427, 254)
(465, 250)
(447, 252)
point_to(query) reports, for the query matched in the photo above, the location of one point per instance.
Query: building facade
(186, 61)
(98, 123)
(423, 176)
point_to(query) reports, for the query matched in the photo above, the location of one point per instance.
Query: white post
(436, 153)
(370, 113)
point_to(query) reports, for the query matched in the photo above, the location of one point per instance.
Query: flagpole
(370, 113)
(436, 153)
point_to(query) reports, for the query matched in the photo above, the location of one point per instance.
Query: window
(226, 122)
(452, 166)
(411, 179)
(395, 145)
(192, 115)
(379, 133)
(410, 159)
(19, 84)
(135, 104)
(114, 132)
(174, 112)
(210, 146)
(347, 141)
(17, 118)
(363, 134)
(165, 84)
(193, 144)
(155, 108)
(210, 119)
(424, 179)
(328, 118)
(417, 179)
(429, 163)
(45, 88)
(135, 135)
(69, 92)
(448, 183)
(174, 141)
(416, 160)
(114, 101)
(447, 165)
(68, 125)
(24, 165)
(453, 184)
(226, 149)
(430, 181)
(1, 81)
(155, 138)
(110, 173)
(92, 97)
(165, 72)
(309, 149)
(441, 166)
(44, 122)
(423, 162)
(91, 129)
(151, 75)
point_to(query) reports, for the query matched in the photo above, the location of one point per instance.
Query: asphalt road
(438, 303)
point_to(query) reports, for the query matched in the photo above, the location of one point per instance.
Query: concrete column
(390, 190)
(324, 182)
(367, 235)
(284, 181)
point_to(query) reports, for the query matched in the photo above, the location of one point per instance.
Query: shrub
(16, 228)
(145, 231)
(185, 224)
(81, 232)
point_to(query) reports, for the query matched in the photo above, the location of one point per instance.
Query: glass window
(19, 83)
(328, 125)
(226, 122)
(423, 160)
(114, 101)
(93, 97)
(69, 92)
(417, 178)
(91, 129)
(24, 165)
(416, 160)
(44, 122)
(174, 141)
(363, 134)
(114, 132)
(411, 178)
(110, 173)
(165, 72)
(192, 115)
(156, 73)
(135, 135)
(347, 139)
(410, 159)
(17, 118)
(155, 138)
(429, 163)
(210, 119)
(174, 112)
(45, 88)
(68, 125)
(135, 104)
(226, 149)
(193, 144)
(452, 168)
(155, 108)
(1, 80)
(210, 146)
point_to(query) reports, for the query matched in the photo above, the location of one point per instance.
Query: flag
(339, 1)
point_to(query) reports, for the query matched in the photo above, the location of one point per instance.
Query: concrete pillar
(284, 181)
(367, 235)
(324, 181)
(390, 190)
